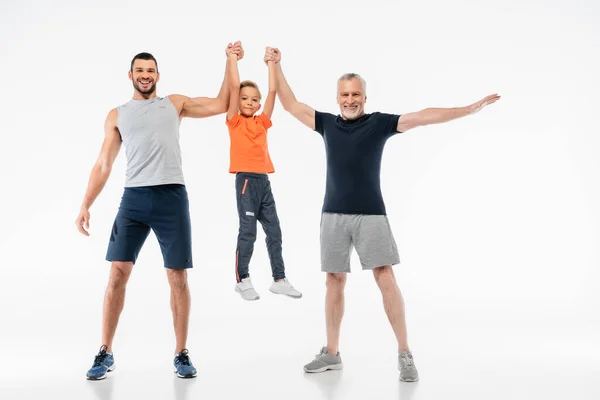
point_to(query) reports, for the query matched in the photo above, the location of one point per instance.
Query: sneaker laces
(183, 358)
(407, 360)
(101, 356)
(321, 354)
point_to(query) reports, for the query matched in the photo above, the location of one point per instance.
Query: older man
(354, 212)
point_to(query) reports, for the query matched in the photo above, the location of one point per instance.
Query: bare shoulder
(178, 100)
(112, 117)
(111, 131)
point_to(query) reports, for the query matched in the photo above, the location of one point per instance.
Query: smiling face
(144, 76)
(351, 97)
(249, 99)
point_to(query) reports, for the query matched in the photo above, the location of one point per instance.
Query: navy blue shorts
(165, 210)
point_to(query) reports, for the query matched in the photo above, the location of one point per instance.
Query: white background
(496, 215)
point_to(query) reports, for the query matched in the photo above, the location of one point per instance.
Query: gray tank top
(150, 133)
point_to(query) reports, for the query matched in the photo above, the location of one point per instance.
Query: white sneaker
(246, 289)
(284, 287)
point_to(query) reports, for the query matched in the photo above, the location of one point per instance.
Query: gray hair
(351, 75)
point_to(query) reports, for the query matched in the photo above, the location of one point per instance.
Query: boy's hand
(272, 54)
(235, 48)
(238, 49)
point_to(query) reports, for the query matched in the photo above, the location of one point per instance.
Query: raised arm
(233, 78)
(101, 170)
(270, 101)
(201, 107)
(301, 111)
(430, 116)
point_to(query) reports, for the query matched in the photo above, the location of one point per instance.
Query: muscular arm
(301, 111)
(202, 107)
(102, 168)
(430, 116)
(270, 101)
(234, 85)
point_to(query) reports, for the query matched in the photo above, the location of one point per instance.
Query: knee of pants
(247, 230)
(273, 232)
(246, 241)
(274, 238)
(247, 236)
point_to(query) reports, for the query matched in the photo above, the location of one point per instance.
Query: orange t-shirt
(248, 150)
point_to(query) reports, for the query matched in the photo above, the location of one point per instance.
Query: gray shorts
(371, 236)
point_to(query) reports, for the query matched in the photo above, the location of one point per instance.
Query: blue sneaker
(183, 365)
(103, 363)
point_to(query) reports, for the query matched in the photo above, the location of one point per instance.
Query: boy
(250, 161)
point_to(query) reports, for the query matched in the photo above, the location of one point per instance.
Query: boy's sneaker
(103, 363)
(246, 289)
(284, 287)
(183, 365)
(406, 365)
(324, 361)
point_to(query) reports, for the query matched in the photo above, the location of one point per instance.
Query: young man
(354, 211)
(154, 198)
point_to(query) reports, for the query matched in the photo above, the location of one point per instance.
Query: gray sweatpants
(255, 202)
(371, 235)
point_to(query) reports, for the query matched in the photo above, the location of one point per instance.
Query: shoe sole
(409, 380)
(188, 376)
(323, 369)
(110, 369)
(288, 295)
(238, 291)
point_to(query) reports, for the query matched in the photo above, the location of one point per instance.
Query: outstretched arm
(101, 170)
(301, 111)
(270, 101)
(233, 77)
(201, 107)
(430, 116)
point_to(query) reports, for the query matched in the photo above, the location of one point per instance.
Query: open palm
(476, 107)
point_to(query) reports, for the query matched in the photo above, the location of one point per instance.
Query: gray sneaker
(246, 289)
(406, 365)
(324, 361)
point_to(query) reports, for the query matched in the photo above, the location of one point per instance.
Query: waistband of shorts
(352, 213)
(166, 185)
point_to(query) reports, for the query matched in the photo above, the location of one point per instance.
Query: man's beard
(150, 90)
(351, 115)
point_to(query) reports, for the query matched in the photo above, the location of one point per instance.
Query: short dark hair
(143, 56)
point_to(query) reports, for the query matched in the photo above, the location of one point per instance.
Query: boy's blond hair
(252, 85)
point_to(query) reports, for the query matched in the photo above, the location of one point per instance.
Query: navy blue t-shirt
(354, 149)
